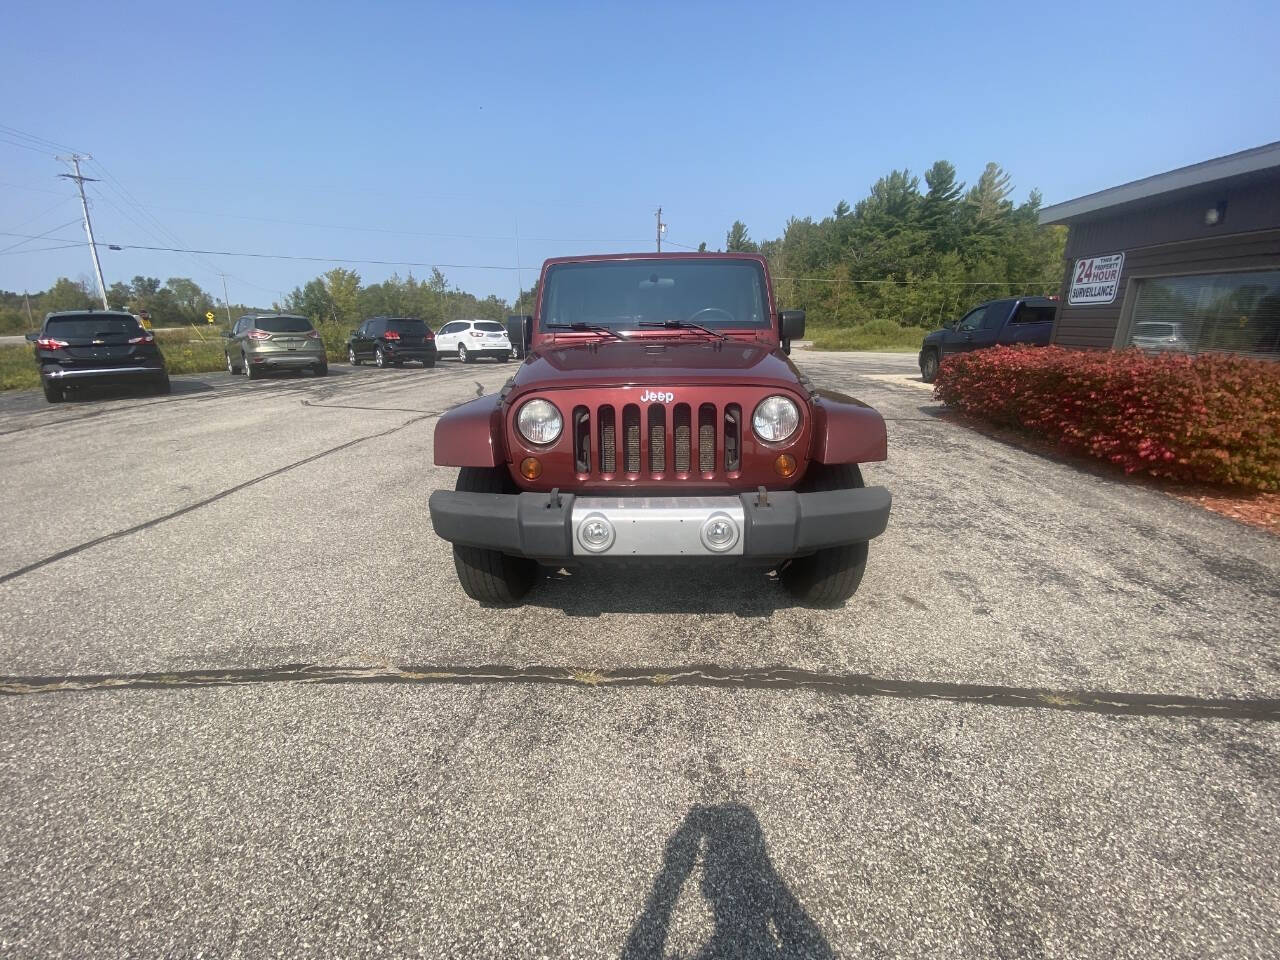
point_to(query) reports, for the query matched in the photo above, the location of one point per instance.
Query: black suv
(391, 341)
(76, 347)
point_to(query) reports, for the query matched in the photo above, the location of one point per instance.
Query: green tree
(67, 294)
(988, 201)
(118, 295)
(343, 287)
(737, 240)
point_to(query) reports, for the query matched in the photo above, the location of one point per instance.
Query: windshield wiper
(585, 328)
(682, 325)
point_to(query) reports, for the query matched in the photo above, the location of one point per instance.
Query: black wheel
(52, 391)
(489, 576)
(829, 577)
(321, 369)
(352, 358)
(505, 357)
(428, 364)
(929, 366)
(250, 371)
(162, 385)
(379, 358)
(463, 355)
(398, 363)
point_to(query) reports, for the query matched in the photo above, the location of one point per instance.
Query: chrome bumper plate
(657, 526)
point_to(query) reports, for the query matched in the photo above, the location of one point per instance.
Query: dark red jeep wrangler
(656, 415)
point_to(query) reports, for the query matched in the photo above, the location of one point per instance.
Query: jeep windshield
(634, 294)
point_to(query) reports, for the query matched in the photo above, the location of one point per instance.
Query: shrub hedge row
(1211, 418)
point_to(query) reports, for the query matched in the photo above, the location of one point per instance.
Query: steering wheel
(724, 314)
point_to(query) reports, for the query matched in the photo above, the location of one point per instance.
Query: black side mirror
(792, 324)
(520, 332)
(33, 337)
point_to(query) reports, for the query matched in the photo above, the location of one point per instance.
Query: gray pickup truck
(994, 323)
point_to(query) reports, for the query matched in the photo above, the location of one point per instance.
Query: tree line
(917, 257)
(176, 301)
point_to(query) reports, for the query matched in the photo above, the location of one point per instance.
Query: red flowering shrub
(1212, 418)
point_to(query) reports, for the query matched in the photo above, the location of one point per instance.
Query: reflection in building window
(1212, 312)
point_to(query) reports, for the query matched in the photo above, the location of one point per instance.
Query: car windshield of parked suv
(414, 328)
(283, 324)
(90, 326)
(623, 295)
(489, 326)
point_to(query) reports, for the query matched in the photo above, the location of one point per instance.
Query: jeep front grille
(657, 441)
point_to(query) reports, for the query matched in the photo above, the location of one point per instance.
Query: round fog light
(785, 465)
(719, 533)
(595, 533)
(530, 468)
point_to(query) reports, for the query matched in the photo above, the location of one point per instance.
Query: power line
(41, 236)
(41, 141)
(65, 246)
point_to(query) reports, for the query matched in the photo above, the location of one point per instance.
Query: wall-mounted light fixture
(1215, 214)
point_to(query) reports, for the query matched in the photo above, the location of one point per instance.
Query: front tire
(352, 358)
(929, 366)
(463, 356)
(231, 367)
(489, 576)
(831, 576)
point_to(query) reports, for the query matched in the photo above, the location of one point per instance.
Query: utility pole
(226, 301)
(74, 160)
(27, 297)
(662, 228)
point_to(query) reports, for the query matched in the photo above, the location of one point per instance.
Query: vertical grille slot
(706, 438)
(581, 440)
(657, 438)
(608, 441)
(732, 437)
(680, 421)
(631, 437)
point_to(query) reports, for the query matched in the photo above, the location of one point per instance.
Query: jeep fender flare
(470, 435)
(846, 430)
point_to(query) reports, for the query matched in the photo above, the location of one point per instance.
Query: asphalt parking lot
(252, 714)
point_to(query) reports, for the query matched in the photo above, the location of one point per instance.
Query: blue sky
(433, 133)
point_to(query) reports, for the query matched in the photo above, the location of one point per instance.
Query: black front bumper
(778, 525)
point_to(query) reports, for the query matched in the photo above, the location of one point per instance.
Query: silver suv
(274, 341)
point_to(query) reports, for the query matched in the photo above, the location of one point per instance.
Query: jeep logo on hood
(656, 396)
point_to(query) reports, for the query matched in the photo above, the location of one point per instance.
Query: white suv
(471, 339)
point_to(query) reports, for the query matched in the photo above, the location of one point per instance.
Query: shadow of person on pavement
(754, 913)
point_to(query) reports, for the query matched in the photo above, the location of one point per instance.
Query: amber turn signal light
(785, 465)
(531, 468)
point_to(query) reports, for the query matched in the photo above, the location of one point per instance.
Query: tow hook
(762, 496)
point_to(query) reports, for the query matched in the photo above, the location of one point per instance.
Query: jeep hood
(653, 362)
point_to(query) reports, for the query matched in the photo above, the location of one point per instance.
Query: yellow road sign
(209, 316)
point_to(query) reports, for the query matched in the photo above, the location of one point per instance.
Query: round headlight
(775, 419)
(539, 422)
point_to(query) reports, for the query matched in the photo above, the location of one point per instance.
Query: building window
(1211, 312)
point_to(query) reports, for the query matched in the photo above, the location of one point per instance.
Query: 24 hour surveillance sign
(1096, 279)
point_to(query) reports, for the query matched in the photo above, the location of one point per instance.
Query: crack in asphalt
(695, 675)
(214, 498)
